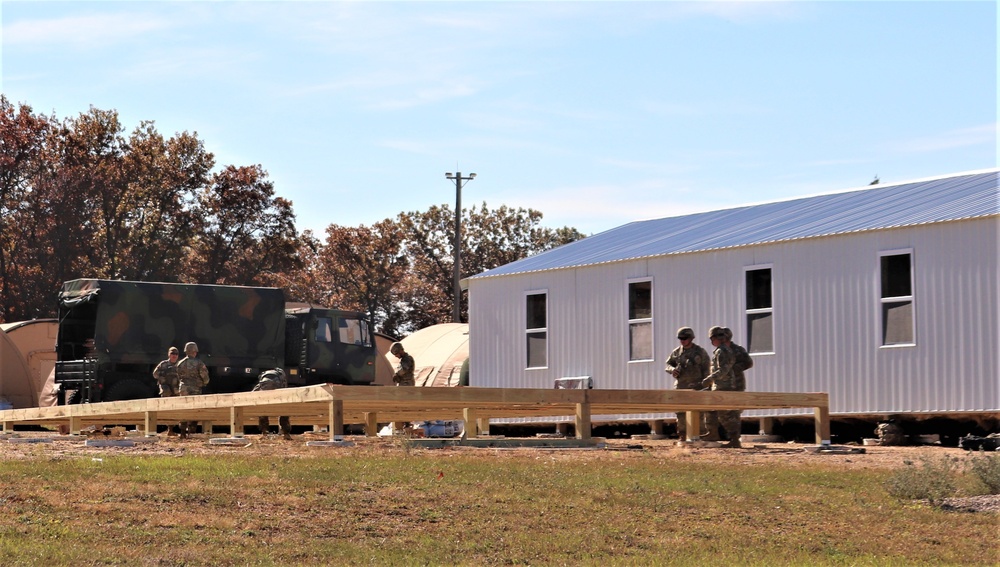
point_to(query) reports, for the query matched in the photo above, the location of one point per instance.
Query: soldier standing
(722, 378)
(403, 376)
(192, 375)
(165, 374)
(273, 380)
(688, 364)
(404, 372)
(743, 361)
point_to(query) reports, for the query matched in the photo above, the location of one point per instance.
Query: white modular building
(886, 297)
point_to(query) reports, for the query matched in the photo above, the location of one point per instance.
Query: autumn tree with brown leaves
(80, 199)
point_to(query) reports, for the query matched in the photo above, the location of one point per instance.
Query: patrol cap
(728, 332)
(685, 333)
(173, 350)
(190, 347)
(716, 331)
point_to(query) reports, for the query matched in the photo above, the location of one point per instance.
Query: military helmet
(685, 333)
(173, 350)
(190, 347)
(716, 331)
(396, 347)
(728, 332)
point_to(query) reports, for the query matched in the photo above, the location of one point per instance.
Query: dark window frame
(758, 308)
(640, 317)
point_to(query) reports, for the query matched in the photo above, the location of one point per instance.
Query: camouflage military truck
(113, 333)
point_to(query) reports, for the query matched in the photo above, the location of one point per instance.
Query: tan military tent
(27, 357)
(438, 351)
(384, 369)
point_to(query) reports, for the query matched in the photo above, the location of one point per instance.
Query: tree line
(81, 198)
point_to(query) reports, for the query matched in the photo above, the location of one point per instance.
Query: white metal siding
(827, 326)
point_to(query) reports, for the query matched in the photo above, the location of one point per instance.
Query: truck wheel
(128, 389)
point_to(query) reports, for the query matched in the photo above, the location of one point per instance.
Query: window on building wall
(536, 330)
(640, 320)
(759, 310)
(896, 284)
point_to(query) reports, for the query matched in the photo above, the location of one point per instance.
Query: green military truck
(113, 333)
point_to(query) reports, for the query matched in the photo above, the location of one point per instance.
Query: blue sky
(594, 113)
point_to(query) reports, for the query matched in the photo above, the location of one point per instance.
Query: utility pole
(456, 315)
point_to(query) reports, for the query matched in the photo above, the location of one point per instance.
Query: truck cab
(328, 346)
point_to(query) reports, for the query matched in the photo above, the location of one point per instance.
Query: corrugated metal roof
(956, 197)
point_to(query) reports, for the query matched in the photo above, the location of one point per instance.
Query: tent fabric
(438, 353)
(35, 340)
(16, 385)
(385, 365)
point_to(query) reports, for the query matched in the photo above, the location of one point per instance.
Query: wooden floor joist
(334, 406)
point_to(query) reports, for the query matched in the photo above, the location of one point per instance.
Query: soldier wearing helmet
(404, 371)
(721, 378)
(689, 365)
(192, 375)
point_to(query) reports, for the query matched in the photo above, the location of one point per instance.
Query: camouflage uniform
(273, 380)
(742, 361)
(722, 378)
(166, 376)
(404, 372)
(692, 366)
(193, 376)
(890, 433)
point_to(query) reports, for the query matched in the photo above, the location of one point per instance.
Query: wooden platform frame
(333, 406)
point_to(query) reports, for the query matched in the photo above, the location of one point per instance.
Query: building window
(640, 320)
(896, 298)
(536, 330)
(759, 310)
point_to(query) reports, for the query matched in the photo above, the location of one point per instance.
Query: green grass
(476, 508)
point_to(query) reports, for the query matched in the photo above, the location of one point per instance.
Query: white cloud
(960, 138)
(91, 31)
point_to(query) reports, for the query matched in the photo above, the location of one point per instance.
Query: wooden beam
(583, 429)
(693, 422)
(822, 419)
(471, 425)
(336, 419)
(149, 424)
(371, 424)
(236, 421)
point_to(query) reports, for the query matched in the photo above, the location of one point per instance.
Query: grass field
(402, 506)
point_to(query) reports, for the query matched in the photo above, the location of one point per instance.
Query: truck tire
(129, 389)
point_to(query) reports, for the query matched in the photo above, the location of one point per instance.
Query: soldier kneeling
(273, 380)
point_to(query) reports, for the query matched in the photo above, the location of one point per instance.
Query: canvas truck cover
(138, 321)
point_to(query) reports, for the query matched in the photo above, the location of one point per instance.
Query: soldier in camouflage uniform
(722, 378)
(404, 372)
(742, 361)
(192, 375)
(165, 374)
(273, 380)
(688, 364)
